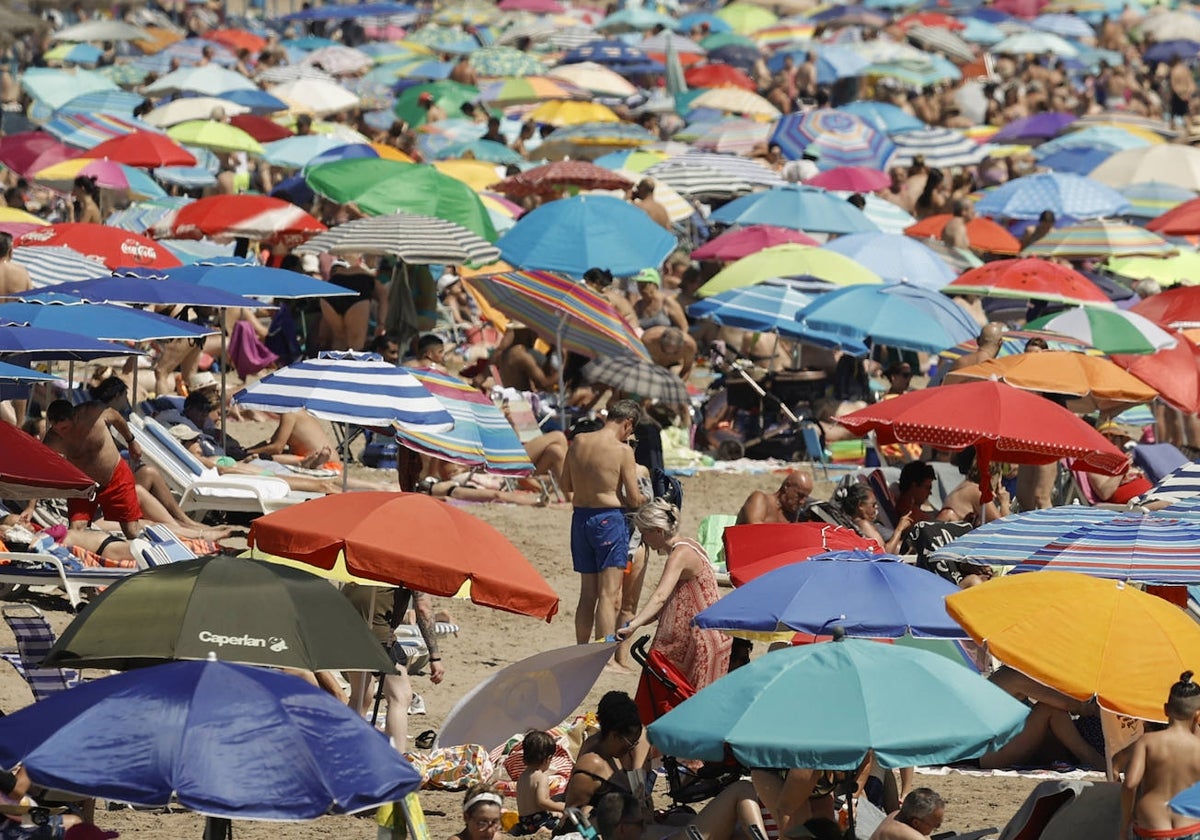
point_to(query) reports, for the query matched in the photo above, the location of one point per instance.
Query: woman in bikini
(604, 760)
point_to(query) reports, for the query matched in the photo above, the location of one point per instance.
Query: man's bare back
(1161, 765)
(14, 279)
(87, 443)
(600, 469)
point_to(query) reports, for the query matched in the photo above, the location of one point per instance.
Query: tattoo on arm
(425, 624)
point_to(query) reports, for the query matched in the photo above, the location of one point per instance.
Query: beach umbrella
(867, 595)
(572, 235)
(418, 240)
(67, 313)
(378, 187)
(120, 103)
(1100, 238)
(886, 216)
(151, 288)
(488, 151)
(207, 80)
(754, 550)
(32, 470)
(1034, 128)
(732, 136)
(560, 311)
(883, 116)
(552, 178)
(635, 19)
(733, 101)
(729, 167)
(144, 149)
(528, 90)
(1183, 220)
(248, 279)
(1110, 330)
(447, 95)
(56, 87)
(1176, 164)
(1036, 43)
(742, 242)
(590, 140)
(32, 150)
(941, 147)
(746, 17)
(896, 315)
(217, 136)
(789, 261)
(1073, 196)
(257, 100)
(983, 234)
(571, 112)
(839, 138)
(1014, 341)
(940, 40)
(1180, 487)
(1031, 278)
(798, 207)
(1166, 271)
(191, 108)
(944, 713)
(316, 96)
(100, 30)
(698, 182)
(239, 610)
(443, 548)
(21, 344)
(854, 179)
(85, 131)
(1176, 308)
(1077, 160)
(766, 307)
(339, 59)
(107, 174)
(1066, 25)
(1112, 138)
(50, 265)
(717, 76)
(296, 151)
(110, 246)
(498, 62)
(1003, 423)
(1089, 383)
(1172, 24)
(894, 258)
(223, 740)
(641, 379)
(1085, 637)
(1151, 199)
(230, 217)
(1168, 51)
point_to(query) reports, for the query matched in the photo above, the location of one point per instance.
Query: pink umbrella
(736, 244)
(1020, 8)
(15, 229)
(541, 7)
(860, 179)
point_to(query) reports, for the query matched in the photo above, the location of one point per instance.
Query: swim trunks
(1187, 832)
(599, 540)
(118, 499)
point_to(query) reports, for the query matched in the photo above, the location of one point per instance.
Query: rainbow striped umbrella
(1150, 199)
(841, 139)
(108, 174)
(481, 435)
(85, 131)
(1100, 238)
(529, 89)
(561, 311)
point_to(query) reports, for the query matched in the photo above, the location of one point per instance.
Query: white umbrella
(941, 147)
(316, 95)
(191, 108)
(418, 240)
(1167, 162)
(339, 60)
(100, 30)
(594, 77)
(1176, 25)
(209, 80)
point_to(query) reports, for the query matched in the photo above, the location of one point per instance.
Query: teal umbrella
(912, 707)
(505, 62)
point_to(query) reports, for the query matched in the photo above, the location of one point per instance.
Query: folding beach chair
(34, 640)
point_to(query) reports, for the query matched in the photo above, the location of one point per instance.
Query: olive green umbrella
(377, 186)
(241, 610)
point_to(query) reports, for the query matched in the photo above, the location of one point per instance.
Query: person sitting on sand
(482, 806)
(1160, 765)
(535, 808)
(14, 790)
(859, 503)
(920, 815)
(1059, 728)
(787, 504)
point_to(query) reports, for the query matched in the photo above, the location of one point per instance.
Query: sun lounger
(21, 568)
(34, 640)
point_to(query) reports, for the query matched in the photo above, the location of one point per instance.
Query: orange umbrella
(237, 39)
(1086, 637)
(983, 234)
(1091, 382)
(408, 539)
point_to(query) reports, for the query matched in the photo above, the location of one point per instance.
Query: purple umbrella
(1034, 129)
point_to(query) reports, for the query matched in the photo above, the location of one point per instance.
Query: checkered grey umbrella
(634, 376)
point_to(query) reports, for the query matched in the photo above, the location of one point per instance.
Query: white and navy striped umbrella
(49, 265)
(418, 240)
(732, 166)
(941, 147)
(698, 181)
(1181, 484)
(349, 388)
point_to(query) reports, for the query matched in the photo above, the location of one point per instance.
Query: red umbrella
(718, 75)
(1020, 8)
(735, 244)
(144, 149)
(260, 128)
(1032, 278)
(112, 246)
(32, 470)
(408, 539)
(1177, 308)
(258, 217)
(551, 177)
(859, 179)
(237, 39)
(1003, 423)
(983, 234)
(935, 20)
(1183, 220)
(753, 550)
(1174, 373)
(31, 151)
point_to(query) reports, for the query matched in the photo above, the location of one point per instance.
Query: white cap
(200, 381)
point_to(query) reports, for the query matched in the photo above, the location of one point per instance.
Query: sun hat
(200, 381)
(183, 433)
(648, 275)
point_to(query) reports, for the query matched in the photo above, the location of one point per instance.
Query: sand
(491, 640)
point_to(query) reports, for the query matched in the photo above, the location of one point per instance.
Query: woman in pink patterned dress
(686, 587)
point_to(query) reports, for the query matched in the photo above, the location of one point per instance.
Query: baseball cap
(648, 275)
(200, 381)
(446, 281)
(183, 433)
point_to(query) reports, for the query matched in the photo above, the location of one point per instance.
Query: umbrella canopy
(1151, 199)
(418, 240)
(634, 376)
(859, 179)
(1100, 238)
(228, 217)
(106, 174)
(255, 281)
(884, 116)
(223, 740)
(1177, 308)
(1030, 278)
(260, 128)
(447, 95)
(66, 313)
(572, 235)
(1034, 128)
(593, 77)
(206, 80)
(152, 290)
(32, 470)
(111, 246)
(1170, 162)
(49, 266)
(1063, 194)
(867, 595)
(1086, 637)
(239, 610)
(217, 136)
(895, 258)
(765, 307)
(1003, 423)
(192, 108)
(57, 87)
(942, 147)
(789, 261)
(561, 311)
(1090, 382)
(944, 713)
(38, 344)
(1183, 220)
(144, 149)
(983, 234)
(316, 96)
(443, 548)
(897, 315)
(553, 178)
(1111, 330)
(742, 242)
(1173, 372)
(754, 550)
(31, 151)
(797, 207)
(839, 138)
(527, 90)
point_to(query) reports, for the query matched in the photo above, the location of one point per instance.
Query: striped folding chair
(34, 640)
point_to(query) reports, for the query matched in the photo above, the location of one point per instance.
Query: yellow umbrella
(561, 112)
(12, 214)
(745, 18)
(1086, 637)
(476, 174)
(789, 260)
(390, 152)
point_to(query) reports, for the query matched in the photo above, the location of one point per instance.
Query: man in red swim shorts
(81, 434)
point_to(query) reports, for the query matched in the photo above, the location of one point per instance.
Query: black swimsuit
(355, 281)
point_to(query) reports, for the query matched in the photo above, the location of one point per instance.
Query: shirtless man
(989, 346)
(300, 434)
(1161, 765)
(598, 472)
(784, 505)
(600, 281)
(14, 278)
(671, 348)
(517, 365)
(82, 435)
(954, 234)
(920, 815)
(643, 197)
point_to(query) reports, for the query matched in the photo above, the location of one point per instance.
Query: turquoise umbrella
(912, 707)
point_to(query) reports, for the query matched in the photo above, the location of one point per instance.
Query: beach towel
(246, 353)
(453, 768)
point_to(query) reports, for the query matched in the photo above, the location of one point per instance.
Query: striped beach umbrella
(418, 240)
(642, 379)
(884, 116)
(1110, 330)
(737, 137)
(49, 265)
(698, 181)
(107, 173)
(1181, 485)
(1100, 238)
(839, 138)
(561, 311)
(1150, 199)
(528, 89)
(229, 217)
(85, 131)
(763, 307)
(752, 172)
(941, 147)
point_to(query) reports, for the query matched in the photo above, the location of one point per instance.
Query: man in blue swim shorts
(601, 475)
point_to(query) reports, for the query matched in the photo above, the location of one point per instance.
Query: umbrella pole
(346, 460)
(218, 828)
(562, 363)
(224, 366)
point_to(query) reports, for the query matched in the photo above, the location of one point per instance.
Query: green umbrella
(1110, 330)
(218, 136)
(447, 95)
(241, 610)
(378, 186)
(789, 260)
(727, 39)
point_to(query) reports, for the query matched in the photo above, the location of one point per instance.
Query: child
(534, 806)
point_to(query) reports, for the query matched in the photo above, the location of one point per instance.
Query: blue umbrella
(834, 62)
(735, 55)
(1150, 199)
(607, 53)
(1096, 136)
(23, 375)
(149, 290)
(36, 343)
(335, 12)
(896, 315)
(296, 152)
(188, 177)
(1068, 26)
(981, 32)
(912, 707)
(120, 103)
(258, 101)
(238, 277)
(1077, 160)
(715, 24)
(884, 116)
(895, 258)
(838, 137)
(1166, 51)
(874, 596)
(1187, 803)
(224, 740)
(488, 150)
(797, 207)
(50, 310)
(761, 307)
(572, 235)
(1068, 195)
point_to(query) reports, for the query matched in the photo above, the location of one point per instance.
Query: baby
(534, 806)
